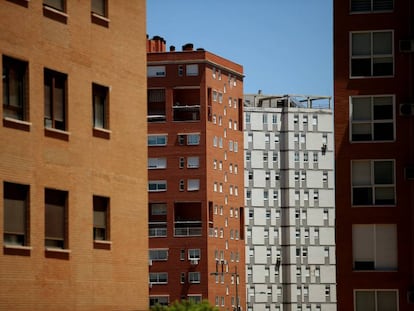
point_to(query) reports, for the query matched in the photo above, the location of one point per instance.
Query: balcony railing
(187, 228)
(157, 229)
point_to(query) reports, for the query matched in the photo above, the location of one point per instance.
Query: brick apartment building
(374, 127)
(195, 172)
(73, 176)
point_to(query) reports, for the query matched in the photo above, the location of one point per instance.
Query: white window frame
(193, 162)
(191, 70)
(160, 140)
(371, 56)
(193, 184)
(372, 122)
(157, 163)
(158, 276)
(194, 254)
(158, 183)
(194, 277)
(158, 254)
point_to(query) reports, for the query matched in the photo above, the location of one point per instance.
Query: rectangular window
(157, 140)
(157, 185)
(372, 118)
(157, 163)
(55, 99)
(99, 7)
(100, 106)
(158, 254)
(15, 99)
(371, 5)
(193, 139)
(192, 70)
(193, 162)
(158, 209)
(376, 300)
(194, 254)
(372, 54)
(374, 247)
(193, 184)
(55, 4)
(15, 203)
(373, 182)
(194, 277)
(56, 218)
(101, 218)
(158, 278)
(156, 71)
(161, 300)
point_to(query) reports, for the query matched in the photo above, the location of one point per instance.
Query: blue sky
(285, 46)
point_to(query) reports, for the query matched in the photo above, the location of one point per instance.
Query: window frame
(160, 140)
(100, 101)
(54, 198)
(371, 56)
(371, 10)
(157, 252)
(51, 104)
(375, 292)
(373, 121)
(157, 163)
(101, 218)
(194, 277)
(158, 276)
(158, 184)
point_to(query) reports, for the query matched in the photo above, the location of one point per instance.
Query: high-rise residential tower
(289, 202)
(374, 96)
(72, 167)
(195, 171)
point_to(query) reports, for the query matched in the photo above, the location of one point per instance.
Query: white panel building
(289, 199)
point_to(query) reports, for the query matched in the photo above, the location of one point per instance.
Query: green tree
(186, 305)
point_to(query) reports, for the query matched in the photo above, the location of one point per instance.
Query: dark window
(100, 106)
(99, 7)
(14, 88)
(55, 99)
(371, 5)
(15, 200)
(59, 5)
(100, 218)
(56, 218)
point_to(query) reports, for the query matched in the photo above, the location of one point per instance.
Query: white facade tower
(289, 199)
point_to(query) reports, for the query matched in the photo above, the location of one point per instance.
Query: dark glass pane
(362, 196)
(360, 5)
(383, 5)
(364, 265)
(383, 131)
(361, 137)
(383, 68)
(383, 172)
(361, 67)
(383, 112)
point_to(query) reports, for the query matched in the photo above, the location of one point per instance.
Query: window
(161, 300)
(158, 278)
(157, 185)
(305, 157)
(194, 254)
(193, 162)
(14, 88)
(371, 5)
(15, 202)
(374, 247)
(195, 298)
(181, 185)
(56, 218)
(264, 118)
(373, 182)
(157, 163)
(55, 99)
(372, 54)
(247, 116)
(194, 277)
(315, 157)
(55, 4)
(99, 7)
(376, 300)
(100, 106)
(372, 118)
(157, 140)
(158, 254)
(193, 184)
(192, 70)
(156, 71)
(193, 139)
(158, 209)
(100, 218)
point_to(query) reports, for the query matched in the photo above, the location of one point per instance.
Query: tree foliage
(186, 305)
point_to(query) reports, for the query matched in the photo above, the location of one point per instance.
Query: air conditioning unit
(407, 109)
(194, 261)
(407, 46)
(150, 262)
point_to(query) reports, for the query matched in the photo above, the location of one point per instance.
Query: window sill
(24, 3)
(55, 14)
(58, 134)
(101, 133)
(57, 253)
(19, 250)
(17, 124)
(102, 244)
(99, 20)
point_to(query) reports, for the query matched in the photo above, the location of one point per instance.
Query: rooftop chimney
(188, 47)
(172, 48)
(156, 44)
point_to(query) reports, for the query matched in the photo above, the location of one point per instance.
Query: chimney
(188, 47)
(172, 48)
(156, 44)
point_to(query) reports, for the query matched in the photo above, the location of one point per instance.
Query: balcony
(157, 229)
(187, 228)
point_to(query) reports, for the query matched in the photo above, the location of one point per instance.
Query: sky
(284, 46)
